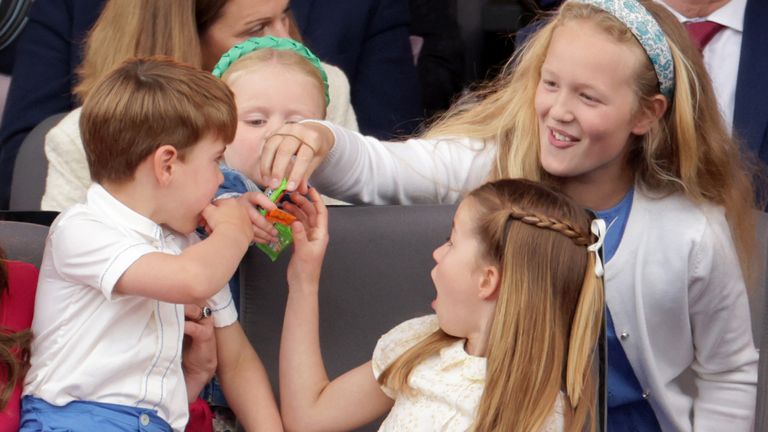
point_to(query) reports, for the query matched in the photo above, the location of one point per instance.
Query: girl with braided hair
(610, 102)
(510, 346)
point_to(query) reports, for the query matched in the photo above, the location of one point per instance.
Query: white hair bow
(598, 229)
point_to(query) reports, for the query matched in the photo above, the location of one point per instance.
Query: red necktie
(702, 32)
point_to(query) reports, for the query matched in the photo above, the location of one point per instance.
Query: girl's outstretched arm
(309, 401)
(245, 382)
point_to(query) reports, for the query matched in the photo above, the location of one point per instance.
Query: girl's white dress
(447, 387)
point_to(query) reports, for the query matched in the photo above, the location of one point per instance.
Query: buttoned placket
(168, 317)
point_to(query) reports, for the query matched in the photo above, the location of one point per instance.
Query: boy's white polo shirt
(91, 344)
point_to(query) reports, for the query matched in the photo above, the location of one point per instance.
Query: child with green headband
(275, 81)
(609, 101)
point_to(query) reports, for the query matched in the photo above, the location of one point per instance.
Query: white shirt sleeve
(223, 308)
(91, 253)
(362, 169)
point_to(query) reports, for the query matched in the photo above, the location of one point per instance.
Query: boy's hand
(228, 214)
(310, 237)
(263, 231)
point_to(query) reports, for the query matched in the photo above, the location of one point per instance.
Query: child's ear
(164, 161)
(489, 284)
(647, 116)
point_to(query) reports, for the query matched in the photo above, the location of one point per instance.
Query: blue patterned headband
(257, 43)
(647, 31)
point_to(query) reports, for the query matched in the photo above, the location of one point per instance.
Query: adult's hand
(199, 358)
(294, 151)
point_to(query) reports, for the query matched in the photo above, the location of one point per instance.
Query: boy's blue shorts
(39, 415)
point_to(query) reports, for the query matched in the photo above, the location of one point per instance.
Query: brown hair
(146, 103)
(688, 150)
(548, 313)
(14, 347)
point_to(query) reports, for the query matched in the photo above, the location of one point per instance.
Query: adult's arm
(725, 356)
(47, 54)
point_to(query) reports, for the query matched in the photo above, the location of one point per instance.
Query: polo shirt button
(624, 336)
(646, 394)
(144, 419)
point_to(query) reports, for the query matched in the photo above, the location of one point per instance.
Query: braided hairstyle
(14, 347)
(548, 313)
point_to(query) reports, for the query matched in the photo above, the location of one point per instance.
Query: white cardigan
(674, 286)
(68, 177)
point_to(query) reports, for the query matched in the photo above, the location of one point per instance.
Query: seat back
(31, 167)
(23, 241)
(376, 275)
(759, 302)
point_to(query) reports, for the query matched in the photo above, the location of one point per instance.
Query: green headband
(257, 43)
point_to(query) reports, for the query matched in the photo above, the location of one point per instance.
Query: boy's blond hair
(146, 103)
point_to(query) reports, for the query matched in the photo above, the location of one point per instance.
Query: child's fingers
(280, 149)
(299, 235)
(208, 212)
(304, 185)
(261, 237)
(259, 200)
(260, 223)
(307, 207)
(298, 212)
(322, 210)
(304, 158)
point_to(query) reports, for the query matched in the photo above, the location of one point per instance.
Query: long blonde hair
(688, 150)
(548, 313)
(138, 28)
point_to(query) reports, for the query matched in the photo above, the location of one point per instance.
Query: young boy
(108, 321)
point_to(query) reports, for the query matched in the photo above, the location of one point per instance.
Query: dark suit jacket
(750, 117)
(369, 41)
(47, 54)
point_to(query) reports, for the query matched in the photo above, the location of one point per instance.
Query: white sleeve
(362, 169)
(223, 308)
(399, 340)
(725, 357)
(68, 176)
(97, 259)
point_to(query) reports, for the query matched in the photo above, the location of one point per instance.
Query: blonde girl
(518, 311)
(275, 81)
(610, 102)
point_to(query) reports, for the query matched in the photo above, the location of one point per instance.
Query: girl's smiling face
(586, 104)
(268, 97)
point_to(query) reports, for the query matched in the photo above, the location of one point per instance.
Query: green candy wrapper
(284, 233)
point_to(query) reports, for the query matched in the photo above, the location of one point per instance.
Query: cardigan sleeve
(68, 176)
(725, 357)
(363, 169)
